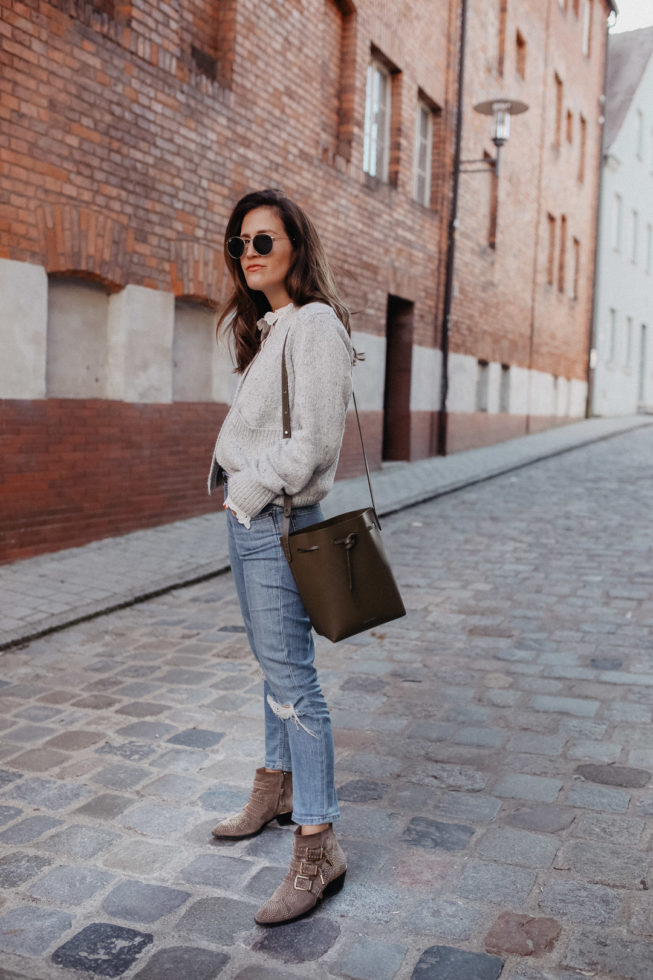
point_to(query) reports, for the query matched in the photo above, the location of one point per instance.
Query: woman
(284, 296)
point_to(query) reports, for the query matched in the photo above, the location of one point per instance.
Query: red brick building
(128, 132)
(523, 282)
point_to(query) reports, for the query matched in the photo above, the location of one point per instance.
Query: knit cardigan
(250, 451)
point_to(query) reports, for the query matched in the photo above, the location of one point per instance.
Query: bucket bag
(339, 565)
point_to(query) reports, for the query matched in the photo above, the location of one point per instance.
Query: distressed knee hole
(287, 713)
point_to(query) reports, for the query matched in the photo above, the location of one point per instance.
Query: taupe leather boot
(317, 869)
(271, 797)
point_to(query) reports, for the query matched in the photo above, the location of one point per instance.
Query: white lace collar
(272, 317)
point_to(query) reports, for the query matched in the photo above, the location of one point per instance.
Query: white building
(623, 314)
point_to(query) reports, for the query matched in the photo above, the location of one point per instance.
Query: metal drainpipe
(451, 243)
(589, 403)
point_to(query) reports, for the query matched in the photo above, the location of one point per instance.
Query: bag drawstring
(348, 543)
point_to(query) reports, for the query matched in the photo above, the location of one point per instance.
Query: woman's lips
(253, 267)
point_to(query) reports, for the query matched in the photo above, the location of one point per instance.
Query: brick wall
(128, 130)
(505, 310)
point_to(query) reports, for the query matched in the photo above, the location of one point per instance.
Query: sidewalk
(45, 593)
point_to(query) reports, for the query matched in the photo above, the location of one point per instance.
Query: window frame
(560, 98)
(520, 54)
(634, 242)
(376, 152)
(423, 110)
(575, 276)
(617, 222)
(612, 339)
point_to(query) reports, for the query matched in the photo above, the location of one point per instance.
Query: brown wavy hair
(308, 279)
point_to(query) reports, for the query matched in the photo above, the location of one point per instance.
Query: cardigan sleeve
(318, 356)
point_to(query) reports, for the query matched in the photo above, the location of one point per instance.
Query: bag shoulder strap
(287, 432)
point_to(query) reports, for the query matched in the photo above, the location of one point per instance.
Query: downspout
(589, 404)
(451, 243)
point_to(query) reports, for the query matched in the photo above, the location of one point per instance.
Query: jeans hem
(312, 821)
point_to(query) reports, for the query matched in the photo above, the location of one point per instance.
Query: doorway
(398, 370)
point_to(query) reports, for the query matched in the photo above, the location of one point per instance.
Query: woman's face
(267, 273)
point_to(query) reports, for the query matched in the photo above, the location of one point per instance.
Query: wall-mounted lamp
(501, 110)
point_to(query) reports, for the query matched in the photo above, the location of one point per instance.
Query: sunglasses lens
(263, 244)
(235, 247)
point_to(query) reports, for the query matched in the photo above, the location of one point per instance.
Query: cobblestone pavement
(494, 761)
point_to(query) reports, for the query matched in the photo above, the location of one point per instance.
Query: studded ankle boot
(271, 797)
(317, 869)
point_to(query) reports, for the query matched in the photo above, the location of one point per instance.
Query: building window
(552, 247)
(640, 134)
(573, 285)
(587, 27)
(423, 153)
(570, 126)
(617, 212)
(562, 255)
(503, 17)
(338, 80)
(378, 108)
(576, 5)
(520, 55)
(629, 340)
(613, 336)
(482, 386)
(504, 389)
(559, 99)
(581, 158)
(87, 11)
(635, 239)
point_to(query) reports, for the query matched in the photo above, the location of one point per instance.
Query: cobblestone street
(494, 759)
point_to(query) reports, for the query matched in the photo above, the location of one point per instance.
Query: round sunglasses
(263, 244)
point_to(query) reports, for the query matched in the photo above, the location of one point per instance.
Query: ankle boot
(271, 797)
(317, 869)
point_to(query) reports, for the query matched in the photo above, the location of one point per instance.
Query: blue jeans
(298, 736)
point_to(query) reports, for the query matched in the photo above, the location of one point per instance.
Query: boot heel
(334, 886)
(284, 818)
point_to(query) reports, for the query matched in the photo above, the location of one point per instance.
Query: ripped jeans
(298, 735)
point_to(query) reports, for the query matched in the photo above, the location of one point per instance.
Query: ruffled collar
(272, 317)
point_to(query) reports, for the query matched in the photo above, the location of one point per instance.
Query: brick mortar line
(182, 581)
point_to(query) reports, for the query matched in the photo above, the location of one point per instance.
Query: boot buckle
(302, 883)
(307, 870)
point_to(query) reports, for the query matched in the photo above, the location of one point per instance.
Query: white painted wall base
(23, 328)
(529, 392)
(139, 345)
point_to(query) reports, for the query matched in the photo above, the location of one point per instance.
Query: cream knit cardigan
(260, 464)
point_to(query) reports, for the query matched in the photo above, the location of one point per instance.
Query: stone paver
(493, 758)
(31, 930)
(102, 949)
(139, 902)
